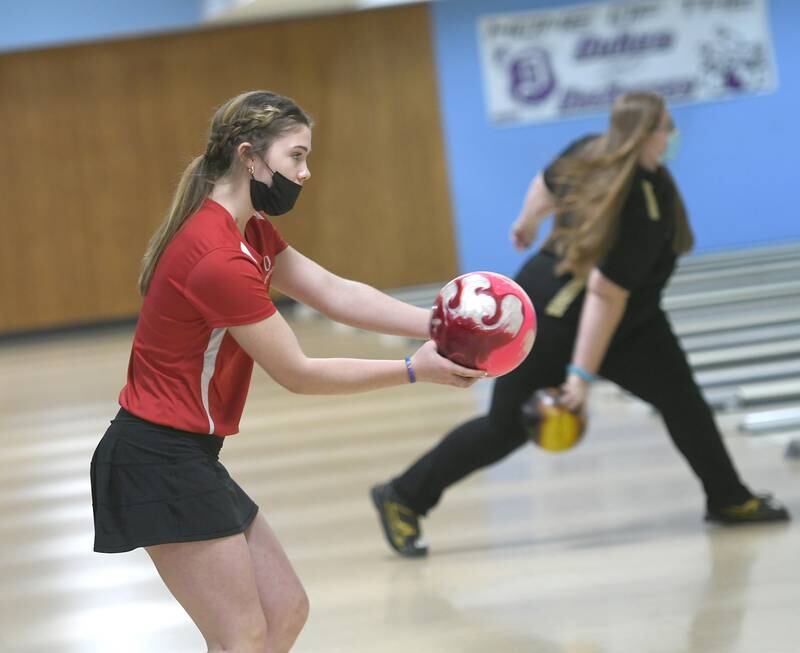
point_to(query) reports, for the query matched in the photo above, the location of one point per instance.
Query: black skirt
(152, 484)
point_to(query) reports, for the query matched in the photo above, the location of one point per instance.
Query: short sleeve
(264, 237)
(640, 239)
(228, 289)
(549, 173)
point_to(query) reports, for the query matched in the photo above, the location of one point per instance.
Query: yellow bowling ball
(550, 425)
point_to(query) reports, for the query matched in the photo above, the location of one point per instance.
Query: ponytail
(193, 188)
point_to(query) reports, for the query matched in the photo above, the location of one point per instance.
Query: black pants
(644, 358)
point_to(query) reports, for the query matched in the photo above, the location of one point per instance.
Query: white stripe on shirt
(209, 363)
(247, 251)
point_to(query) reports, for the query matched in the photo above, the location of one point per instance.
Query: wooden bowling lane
(599, 550)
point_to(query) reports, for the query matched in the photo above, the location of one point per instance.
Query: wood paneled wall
(96, 136)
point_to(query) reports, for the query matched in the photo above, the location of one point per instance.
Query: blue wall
(737, 167)
(26, 24)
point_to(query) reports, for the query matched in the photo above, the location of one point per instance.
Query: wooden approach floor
(600, 550)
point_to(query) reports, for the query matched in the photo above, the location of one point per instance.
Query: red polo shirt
(186, 371)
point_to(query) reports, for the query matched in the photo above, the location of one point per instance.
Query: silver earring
(251, 169)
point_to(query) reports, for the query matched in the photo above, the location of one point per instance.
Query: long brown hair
(258, 117)
(598, 179)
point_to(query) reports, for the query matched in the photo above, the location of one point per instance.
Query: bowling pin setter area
(598, 549)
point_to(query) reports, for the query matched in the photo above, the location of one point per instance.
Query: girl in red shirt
(207, 316)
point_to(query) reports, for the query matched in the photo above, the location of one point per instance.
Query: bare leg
(215, 583)
(283, 599)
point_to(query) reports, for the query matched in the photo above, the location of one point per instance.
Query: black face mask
(276, 199)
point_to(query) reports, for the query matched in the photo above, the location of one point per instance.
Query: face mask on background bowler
(673, 146)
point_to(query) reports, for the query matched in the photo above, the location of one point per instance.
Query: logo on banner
(531, 76)
(731, 64)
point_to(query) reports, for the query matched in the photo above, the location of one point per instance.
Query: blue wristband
(412, 378)
(582, 373)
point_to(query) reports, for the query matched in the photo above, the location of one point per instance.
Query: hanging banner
(550, 64)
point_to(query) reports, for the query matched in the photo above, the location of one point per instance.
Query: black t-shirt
(642, 257)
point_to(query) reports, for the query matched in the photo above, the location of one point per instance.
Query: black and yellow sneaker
(762, 508)
(400, 523)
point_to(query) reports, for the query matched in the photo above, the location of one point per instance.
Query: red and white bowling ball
(485, 321)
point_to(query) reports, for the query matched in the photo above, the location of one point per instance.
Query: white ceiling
(227, 11)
